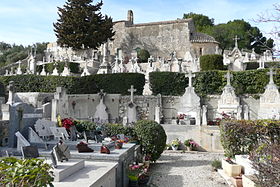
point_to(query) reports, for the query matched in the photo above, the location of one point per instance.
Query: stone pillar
(239, 111)
(157, 114)
(11, 89)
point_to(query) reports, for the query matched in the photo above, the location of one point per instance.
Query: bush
(27, 172)
(117, 83)
(242, 137)
(211, 82)
(84, 126)
(152, 138)
(216, 164)
(115, 129)
(266, 160)
(143, 55)
(211, 62)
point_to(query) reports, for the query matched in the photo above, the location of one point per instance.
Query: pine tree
(81, 25)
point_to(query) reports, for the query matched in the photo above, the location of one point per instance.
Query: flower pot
(143, 180)
(133, 183)
(231, 169)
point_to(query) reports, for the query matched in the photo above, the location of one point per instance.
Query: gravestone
(60, 105)
(43, 126)
(270, 100)
(190, 102)
(229, 102)
(131, 107)
(34, 137)
(246, 112)
(21, 141)
(22, 116)
(66, 72)
(59, 133)
(55, 71)
(158, 109)
(101, 114)
(11, 100)
(30, 152)
(61, 152)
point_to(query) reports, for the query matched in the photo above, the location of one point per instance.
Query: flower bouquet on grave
(67, 123)
(175, 144)
(104, 149)
(190, 144)
(118, 144)
(83, 148)
(137, 174)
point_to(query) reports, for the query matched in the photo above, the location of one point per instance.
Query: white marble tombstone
(43, 126)
(21, 141)
(190, 102)
(55, 72)
(101, 114)
(131, 107)
(66, 72)
(229, 102)
(270, 101)
(34, 137)
(43, 72)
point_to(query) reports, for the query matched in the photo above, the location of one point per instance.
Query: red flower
(67, 123)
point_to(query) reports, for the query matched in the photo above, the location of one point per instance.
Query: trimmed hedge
(111, 83)
(242, 137)
(211, 82)
(211, 62)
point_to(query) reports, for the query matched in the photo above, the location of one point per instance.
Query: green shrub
(252, 65)
(118, 83)
(27, 172)
(211, 62)
(241, 136)
(84, 126)
(115, 129)
(211, 82)
(152, 138)
(216, 164)
(266, 160)
(143, 55)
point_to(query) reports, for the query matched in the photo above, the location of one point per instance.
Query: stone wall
(159, 38)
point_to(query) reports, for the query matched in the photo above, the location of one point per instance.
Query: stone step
(66, 168)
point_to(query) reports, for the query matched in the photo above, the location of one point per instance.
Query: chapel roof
(198, 37)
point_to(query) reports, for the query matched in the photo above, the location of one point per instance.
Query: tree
(143, 55)
(250, 37)
(200, 21)
(272, 17)
(81, 25)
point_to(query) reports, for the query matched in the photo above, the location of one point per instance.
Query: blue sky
(29, 21)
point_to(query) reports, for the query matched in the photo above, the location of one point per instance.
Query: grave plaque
(29, 152)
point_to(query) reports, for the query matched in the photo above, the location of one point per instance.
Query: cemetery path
(189, 169)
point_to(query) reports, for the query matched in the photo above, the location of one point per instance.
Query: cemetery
(190, 113)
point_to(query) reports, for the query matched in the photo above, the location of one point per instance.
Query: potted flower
(138, 174)
(175, 144)
(83, 148)
(190, 144)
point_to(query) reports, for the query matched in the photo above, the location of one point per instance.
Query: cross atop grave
(190, 76)
(236, 39)
(131, 90)
(150, 61)
(228, 76)
(271, 73)
(117, 59)
(101, 93)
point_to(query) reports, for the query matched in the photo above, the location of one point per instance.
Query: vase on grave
(83, 148)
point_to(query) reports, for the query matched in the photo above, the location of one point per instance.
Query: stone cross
(236, 39)
(228, 76)
(190, 76)
(102, 93)
(271, 73)
(117, 59)
(131, 90)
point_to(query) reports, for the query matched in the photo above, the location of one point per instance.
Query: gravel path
(190, 169)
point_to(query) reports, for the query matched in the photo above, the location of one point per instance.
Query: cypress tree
(81, 25)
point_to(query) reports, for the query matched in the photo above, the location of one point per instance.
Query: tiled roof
(198, 37)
